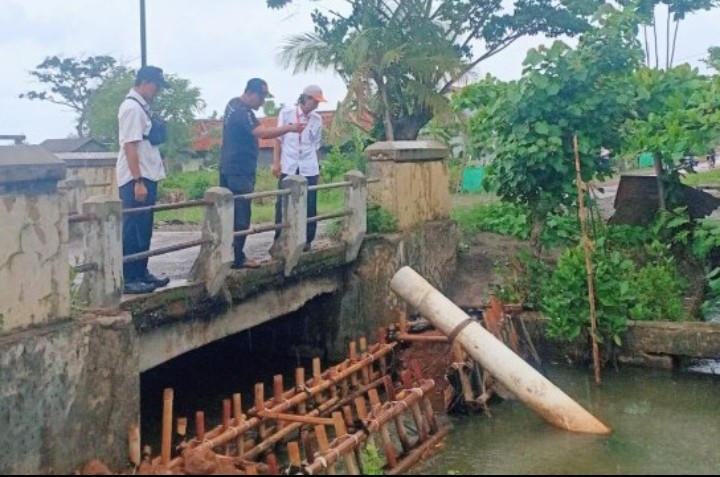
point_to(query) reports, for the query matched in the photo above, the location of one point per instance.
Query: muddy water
(663, 424)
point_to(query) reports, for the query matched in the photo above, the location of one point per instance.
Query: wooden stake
(388, 449)
(200, 426)
(134, 444)
(300, 386)
(351, 464)
(237, 411)
(272, 463)
(293, 450)
(260, 406)
(403, 325)
(324, 446)
(367, 372)
(181, 425)
(587, 247)
(167, 424)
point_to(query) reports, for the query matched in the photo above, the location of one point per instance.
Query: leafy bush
(381, 221)
(336, 164)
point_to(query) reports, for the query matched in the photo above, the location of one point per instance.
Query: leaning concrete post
(509, 369)
(102, 245)
(355, 225)
(293, 236)
(213, 263)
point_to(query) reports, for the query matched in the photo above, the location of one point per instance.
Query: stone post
(213, 263)
(289, 246)
(355, 225)
(102, 245)
(414, 184)
(76, 193)
(34, 264)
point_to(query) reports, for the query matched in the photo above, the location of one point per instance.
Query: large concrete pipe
(529, 386)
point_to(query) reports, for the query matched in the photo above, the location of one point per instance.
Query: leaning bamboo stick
(237, 411)
(351, 464)
(295, 418)
(587, 248)
(324, 446)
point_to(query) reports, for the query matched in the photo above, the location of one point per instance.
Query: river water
(663, 424)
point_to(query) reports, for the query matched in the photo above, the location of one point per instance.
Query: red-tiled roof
(207, 133)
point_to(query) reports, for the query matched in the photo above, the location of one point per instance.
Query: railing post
(355, 224)
(213, 263)
(102, 245)
(293, 236)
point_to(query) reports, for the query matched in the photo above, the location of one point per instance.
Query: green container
(646, 160)
(472, 179)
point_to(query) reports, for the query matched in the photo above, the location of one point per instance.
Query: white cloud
(218, 45)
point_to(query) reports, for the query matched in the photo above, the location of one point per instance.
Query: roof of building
(70, 144)
(207, 133)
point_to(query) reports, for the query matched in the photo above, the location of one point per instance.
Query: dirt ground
(479, 264)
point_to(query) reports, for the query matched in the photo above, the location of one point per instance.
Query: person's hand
(141, 191)
(275, 168)
(297, 127)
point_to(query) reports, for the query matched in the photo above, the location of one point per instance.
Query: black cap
(259, 86)
(151, 74)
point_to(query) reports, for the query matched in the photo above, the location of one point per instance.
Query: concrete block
(289, 246)
(215, 259)
(102, 245)
(355, 225)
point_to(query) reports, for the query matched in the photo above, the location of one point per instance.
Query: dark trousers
(243, 210)
(311, 207)
(137, 229)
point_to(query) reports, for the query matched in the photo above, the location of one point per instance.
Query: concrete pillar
(76, 194)
(414, 184)
(355, 225)
(102, 245)
(289, 246)
(215, 259)
(34, 268)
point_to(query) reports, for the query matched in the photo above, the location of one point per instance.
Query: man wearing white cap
(297, 153)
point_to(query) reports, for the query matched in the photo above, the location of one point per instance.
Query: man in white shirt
(297, 153)
(139, 169)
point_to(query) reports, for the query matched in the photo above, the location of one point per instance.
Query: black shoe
(138, 288)
(158, 282)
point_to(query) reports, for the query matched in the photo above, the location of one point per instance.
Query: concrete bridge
(71, 357)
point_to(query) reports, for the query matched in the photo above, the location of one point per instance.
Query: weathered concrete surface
(367, 302)
(355, 225)
(645, 343)
(414, 183)
(97, 169)
(68, 393)
(34, 270)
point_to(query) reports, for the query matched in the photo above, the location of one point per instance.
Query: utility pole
(143, 42)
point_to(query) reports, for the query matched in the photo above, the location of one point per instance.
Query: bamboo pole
(300, 386)
(237, 411)
(324, 446)
(587, 248)
(200, 426)
(523, 380)
(167, 425)
(399, 423)
(388, 449)
(134, 444)
(351, 464)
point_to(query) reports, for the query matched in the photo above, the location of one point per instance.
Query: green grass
(703, 178)
(193, 184)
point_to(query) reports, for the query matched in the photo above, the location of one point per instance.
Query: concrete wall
(97, 169)
(68, 393)
(367, 302)
(34, 269)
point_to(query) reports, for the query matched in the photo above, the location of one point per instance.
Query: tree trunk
(657, 54)
(537, 227)
(387, 117)
(408, 128)
(647, 47)
(667, 42)
(674, 44)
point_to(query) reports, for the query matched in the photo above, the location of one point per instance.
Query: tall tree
(399, 58)
(530, 123)
(71, 82)
(713, 59)
(178, 104)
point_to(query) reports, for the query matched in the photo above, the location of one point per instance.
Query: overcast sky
(216, 44)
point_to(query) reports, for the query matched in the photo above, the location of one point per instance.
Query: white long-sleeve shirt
(299, 151)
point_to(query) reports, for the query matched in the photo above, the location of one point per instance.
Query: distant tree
(713, 59)
(71, 82)
(178, 105)
(400, 58)
(271, 109)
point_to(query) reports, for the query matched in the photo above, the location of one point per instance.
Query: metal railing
(257, 229)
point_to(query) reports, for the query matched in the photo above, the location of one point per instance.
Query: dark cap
(259, 86)
(151, 74)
